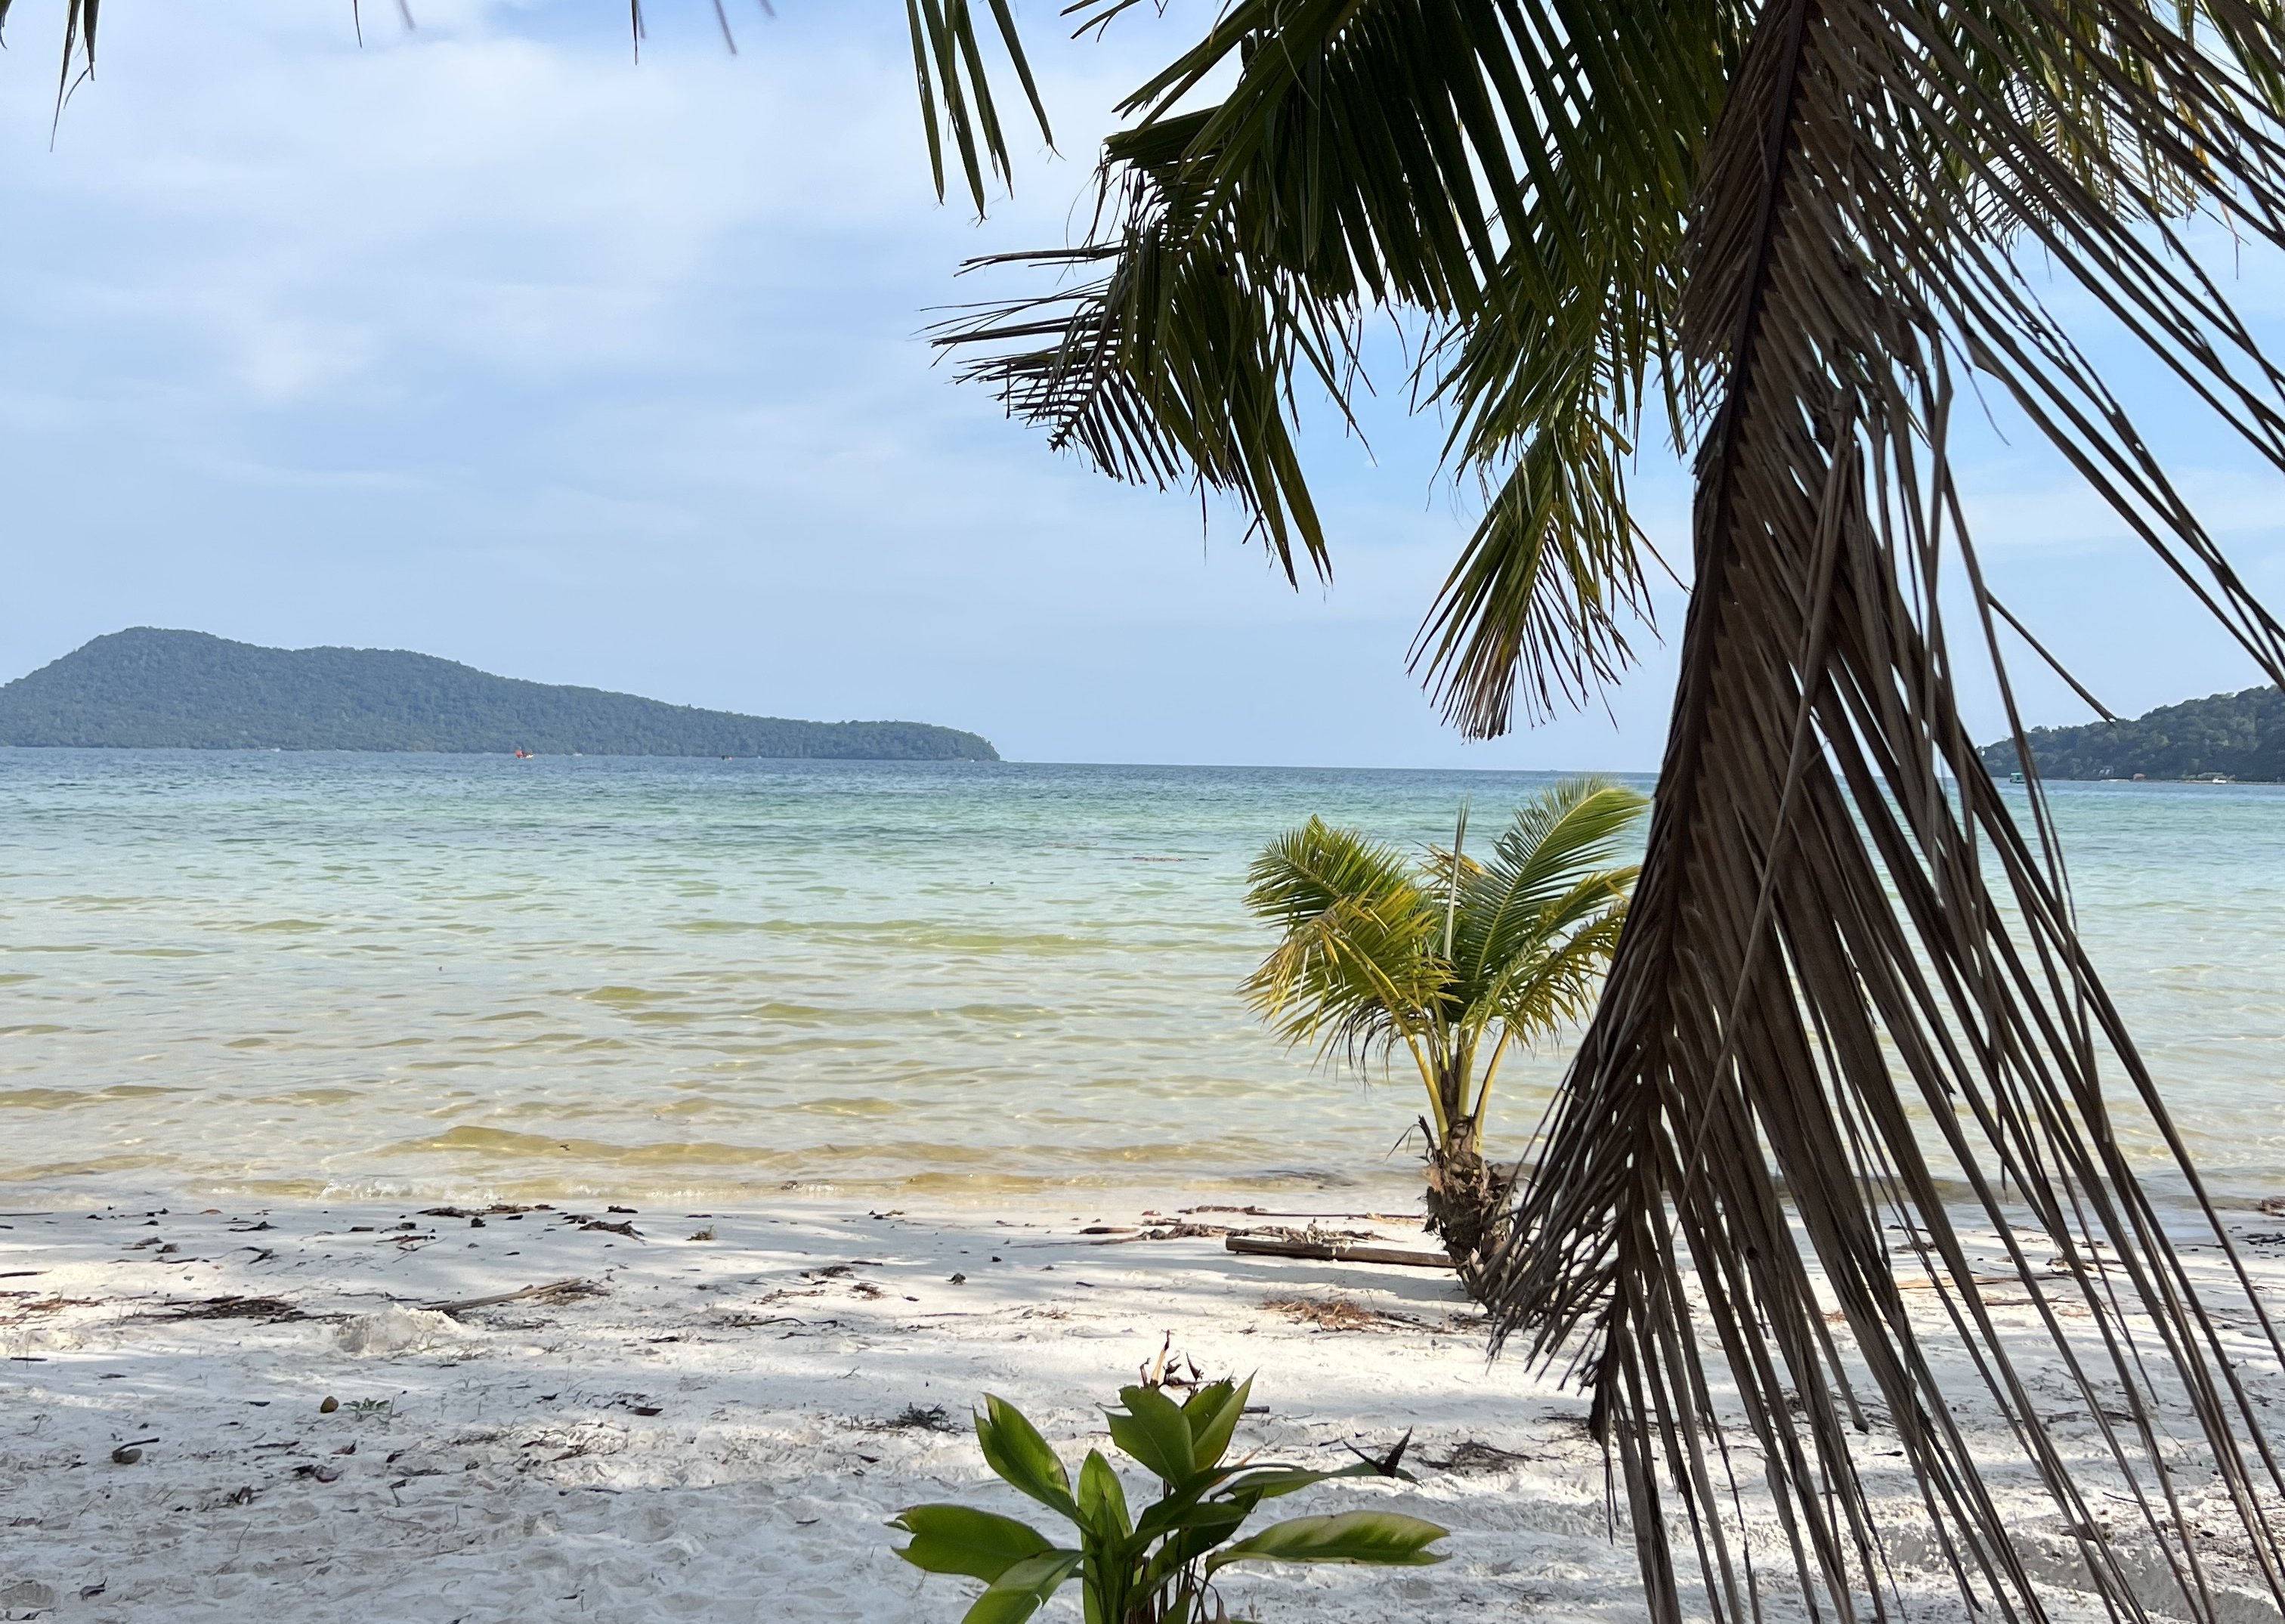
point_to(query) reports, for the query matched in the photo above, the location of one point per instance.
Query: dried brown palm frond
(1838, 919)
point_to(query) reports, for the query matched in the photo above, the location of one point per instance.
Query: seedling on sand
(1158, 1567)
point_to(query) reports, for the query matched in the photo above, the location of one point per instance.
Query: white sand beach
(717, 1428)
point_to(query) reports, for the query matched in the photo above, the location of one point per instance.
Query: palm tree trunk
(1467, 1201)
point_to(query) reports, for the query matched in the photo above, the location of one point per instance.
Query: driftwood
(1335, 1252)
(558, 1287)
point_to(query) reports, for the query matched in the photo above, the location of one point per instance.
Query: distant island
(149, 690)
(2230, 735)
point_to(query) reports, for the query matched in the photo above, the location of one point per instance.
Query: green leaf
(956, 1539)
(1213, 1412)
(1024, 1589)
(1382, 1539)
(1153, 1430)
(1102, 1498)
(1013, 1447)
(1190, 1534)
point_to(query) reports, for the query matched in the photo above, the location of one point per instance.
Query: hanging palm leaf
(1850, 986)
(1816, 940)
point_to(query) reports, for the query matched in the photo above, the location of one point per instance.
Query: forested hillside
(152, 689)
(2240, 735)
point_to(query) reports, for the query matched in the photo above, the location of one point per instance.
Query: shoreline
(698, 1425)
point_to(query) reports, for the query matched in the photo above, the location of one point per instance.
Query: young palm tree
(1451, 960)
(1786, 232)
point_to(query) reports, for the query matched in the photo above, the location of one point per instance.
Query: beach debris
(2275, 1206)
(1388, 1465)
(1170, 1368)
(322, 1473)
(745, 1319)
(126, 1454)
(396, 1330)
(328, 1405)
(572, 1286)
(1329, 1312)
(496, 1210)
(629, 1210)
(627, 1229)
(1158, 1232)
(1334, 1251)
(1378, 1218)
(919, 1418)
(958, 1280)
(52, 1304)
(1180, 1230)
(268, 1308)
(707, 1233)
(370, 1409)
(1473, 1455)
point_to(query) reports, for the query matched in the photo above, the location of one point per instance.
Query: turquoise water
(699, 980)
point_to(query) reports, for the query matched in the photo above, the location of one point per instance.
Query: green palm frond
(1447, 953)
(1554, 985)
(955, 89)
(1549, 871)
(1354, 968)
(1521, 178)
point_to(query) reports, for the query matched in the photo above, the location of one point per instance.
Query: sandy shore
(717, 1416)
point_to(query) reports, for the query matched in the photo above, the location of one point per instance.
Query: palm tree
(1452, 960)
(1785, 233)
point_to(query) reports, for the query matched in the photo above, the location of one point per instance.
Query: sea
(467, 977)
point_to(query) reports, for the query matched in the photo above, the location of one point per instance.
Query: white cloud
(485, 340)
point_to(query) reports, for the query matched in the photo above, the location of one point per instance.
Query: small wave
(65, 1099)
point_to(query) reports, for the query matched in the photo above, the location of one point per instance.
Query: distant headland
(151, 690)
(2236, 735)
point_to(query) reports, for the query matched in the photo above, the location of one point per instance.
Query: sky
(485, 340)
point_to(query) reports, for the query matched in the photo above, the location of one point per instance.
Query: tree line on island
(150, 689)
(2238, 735)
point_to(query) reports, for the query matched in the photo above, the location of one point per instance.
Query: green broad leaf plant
(1156, 1565)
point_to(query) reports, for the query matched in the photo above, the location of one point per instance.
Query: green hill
(2238, 735)
(150, 689)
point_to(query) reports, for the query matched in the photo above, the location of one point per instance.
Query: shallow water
(339, 974)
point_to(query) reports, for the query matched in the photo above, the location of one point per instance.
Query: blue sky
(483, 341)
